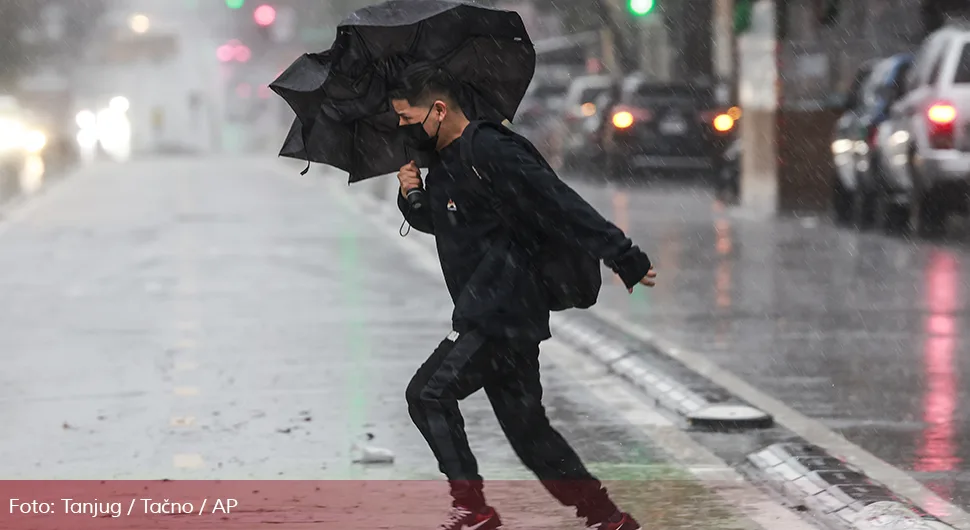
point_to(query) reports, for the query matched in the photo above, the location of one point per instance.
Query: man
(501, 312)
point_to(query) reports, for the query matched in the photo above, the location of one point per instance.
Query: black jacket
(485, 269)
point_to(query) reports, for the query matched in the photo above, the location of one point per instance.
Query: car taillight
(942, 118)
(622, 119)
(871, 138)
(723, 123)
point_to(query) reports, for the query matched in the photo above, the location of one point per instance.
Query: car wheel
(863, 209)
(895, 217)
(928, 215)
(841, 203)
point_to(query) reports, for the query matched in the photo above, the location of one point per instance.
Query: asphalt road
(861, 331)
(211, 319)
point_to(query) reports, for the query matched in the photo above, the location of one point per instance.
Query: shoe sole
(490, 525)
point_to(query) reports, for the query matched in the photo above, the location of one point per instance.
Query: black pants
(509, 373)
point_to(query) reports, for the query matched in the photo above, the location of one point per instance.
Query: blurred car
(923, 148)
(542, 102)
(727, 185)
(570, 126)
(20, 138)
(664, 127)
(876, 86)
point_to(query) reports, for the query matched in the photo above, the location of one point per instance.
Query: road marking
(182, 421)
(811, 430)
(715, 474)
(188, 461)
(187, 325)
(185, 366)
(185, 391)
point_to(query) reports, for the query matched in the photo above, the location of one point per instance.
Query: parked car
(664, 126)
(569, 128)
(876, 86)
(541, 103)
(923, 149)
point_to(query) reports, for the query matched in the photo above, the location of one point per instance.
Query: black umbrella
(360, 147)
(340, 96)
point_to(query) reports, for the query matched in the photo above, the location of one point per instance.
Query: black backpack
(571, 276)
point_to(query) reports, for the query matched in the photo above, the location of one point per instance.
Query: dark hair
(422, 83)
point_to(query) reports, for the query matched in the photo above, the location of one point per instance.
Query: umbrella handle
(415, 198)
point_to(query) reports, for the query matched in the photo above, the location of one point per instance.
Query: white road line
(708, 469)
(185, 391)
(188, 461)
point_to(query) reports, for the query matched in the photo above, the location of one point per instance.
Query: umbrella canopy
(340, 96)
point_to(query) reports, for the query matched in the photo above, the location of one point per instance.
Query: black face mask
(418, 138)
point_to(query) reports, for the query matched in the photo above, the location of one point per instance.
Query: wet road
(191, 319)
(861, 331)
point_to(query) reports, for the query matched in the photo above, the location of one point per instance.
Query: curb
(810, 477)
(621, 359)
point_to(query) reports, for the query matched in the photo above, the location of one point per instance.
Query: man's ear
(442, 109)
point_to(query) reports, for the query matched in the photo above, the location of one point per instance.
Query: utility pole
(759, 96)
(724, 50)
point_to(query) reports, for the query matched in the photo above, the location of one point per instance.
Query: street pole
(724, 49)
(759, 96)
(608, 43)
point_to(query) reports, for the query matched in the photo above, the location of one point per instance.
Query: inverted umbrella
(340, 97)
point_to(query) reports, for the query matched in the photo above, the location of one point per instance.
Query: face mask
(418, 138)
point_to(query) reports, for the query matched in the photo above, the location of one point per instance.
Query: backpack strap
(481, 181)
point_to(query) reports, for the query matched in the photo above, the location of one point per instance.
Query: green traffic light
(235, 4)
(641, 7)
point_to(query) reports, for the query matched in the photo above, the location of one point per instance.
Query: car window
(854, 95)
(872, 86)
(936, 69)
(896, 86)
(962, 75)
(589, 95)
(928, 52)
(672, 94)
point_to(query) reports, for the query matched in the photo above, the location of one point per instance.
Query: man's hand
(410, 178)
(647, 280)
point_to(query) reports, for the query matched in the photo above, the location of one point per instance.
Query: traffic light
(641, 7)
(235, 4)
(265, 15)
(742, 16)
(234, 51)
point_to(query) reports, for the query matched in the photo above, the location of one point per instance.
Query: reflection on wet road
(861, 331)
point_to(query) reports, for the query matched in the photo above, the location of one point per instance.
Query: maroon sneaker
(461, 518)
(619, 521)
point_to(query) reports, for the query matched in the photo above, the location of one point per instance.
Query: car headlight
(11, 133)
(35, 141)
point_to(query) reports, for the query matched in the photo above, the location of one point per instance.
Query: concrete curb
(620, 359)
(831, 488)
